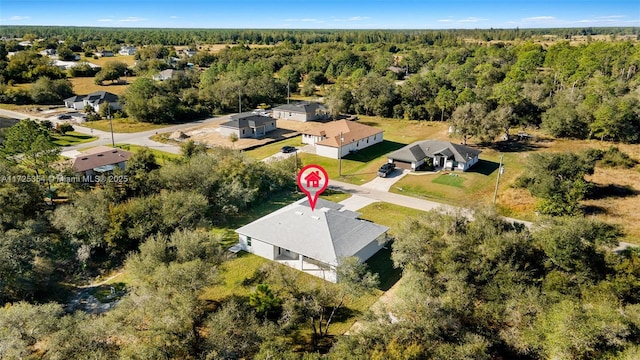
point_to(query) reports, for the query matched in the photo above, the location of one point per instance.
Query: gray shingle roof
(429, 148)
(301, 107)
(248, 121)
(326, 234)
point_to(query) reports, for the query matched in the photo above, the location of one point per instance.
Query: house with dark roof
(303, 111)
(100, 160)
(248, 125)
(339, 138)
(441, 154)
(96, 100)
(314, 242)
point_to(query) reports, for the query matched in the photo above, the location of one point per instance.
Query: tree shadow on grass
(593, 210)
(484, 167)
(374, 151)
(515, 146)
(611, 191)
(381, 264)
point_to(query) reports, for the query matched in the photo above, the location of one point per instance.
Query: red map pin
(313, 180)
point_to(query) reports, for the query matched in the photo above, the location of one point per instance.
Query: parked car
(386, 169)
(64, 117)
(287, 149)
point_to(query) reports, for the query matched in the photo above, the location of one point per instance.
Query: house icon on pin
(313, 179)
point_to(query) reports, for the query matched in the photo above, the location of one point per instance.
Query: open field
(86, 85)
(127, 59)
(72, 138)
(124, 125)
(214, 48)
(162, 157)
(265, 151)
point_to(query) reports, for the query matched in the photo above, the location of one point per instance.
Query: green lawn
(390, 215)
(468, 189)
(265, 151)
(162, 157)
(455, 180)
(124, 125)
(357, 168)
(72, 138)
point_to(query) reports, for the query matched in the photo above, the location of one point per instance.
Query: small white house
(339, 138)
(248, 125)
(441, 154)
(128, 50)
(303, 111)
(314, 242)
(96, 100)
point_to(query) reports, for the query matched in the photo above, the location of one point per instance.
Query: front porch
(309, 266)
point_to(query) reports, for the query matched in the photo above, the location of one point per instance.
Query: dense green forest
(484, 89)
(150, 36)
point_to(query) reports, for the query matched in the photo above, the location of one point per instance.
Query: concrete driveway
(384, 184)
(356, 202)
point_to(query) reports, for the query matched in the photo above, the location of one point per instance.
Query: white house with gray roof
(248, 125)
(303, 111)
(314, 242)
(442, 154)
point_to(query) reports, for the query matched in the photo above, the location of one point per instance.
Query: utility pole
(340, 155)
(239, 101)
(288, 92)
(500, 171)
(113, 142)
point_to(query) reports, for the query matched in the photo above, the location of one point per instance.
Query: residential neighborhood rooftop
(327, 234)
(99, 157)
(428, 148)
(349, 130)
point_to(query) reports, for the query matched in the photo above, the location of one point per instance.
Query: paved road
(104, 137)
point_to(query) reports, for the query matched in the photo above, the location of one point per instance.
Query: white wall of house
(78, 105)
(311, 139)
(327, 151)
(227, 131)
(257, 247)
(290, 115)
(114, 106)
(361, 144)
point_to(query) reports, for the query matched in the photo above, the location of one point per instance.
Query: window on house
(248, 240)
(243, 131)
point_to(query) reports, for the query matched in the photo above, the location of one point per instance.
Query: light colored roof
(351, 131)
(327, 234)
(429, 148)
(92, 160)
(301, 107)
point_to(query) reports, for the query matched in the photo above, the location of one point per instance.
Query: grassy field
(124, 125)
(270, 149)
(72, 138)
(162, 157)
(454, 180)
(127, 59)
(87, 85)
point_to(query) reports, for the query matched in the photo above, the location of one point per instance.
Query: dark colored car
(287, 149)
(64, 117)
(386, 169)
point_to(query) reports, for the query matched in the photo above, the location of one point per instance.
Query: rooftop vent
(299, 213)
(100, 155)
(315, 217)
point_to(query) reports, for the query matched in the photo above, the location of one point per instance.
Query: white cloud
(358, 18)
(471, 19)
(132, 19)
(539, 18)
(306, 20)
(173, 17)
(105, 20)
(18, 18)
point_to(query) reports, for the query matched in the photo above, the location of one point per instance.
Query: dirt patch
(210, 135)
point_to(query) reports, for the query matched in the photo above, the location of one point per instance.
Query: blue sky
(327, 14)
